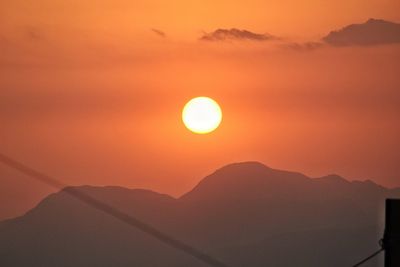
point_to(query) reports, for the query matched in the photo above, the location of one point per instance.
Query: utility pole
(391, 239)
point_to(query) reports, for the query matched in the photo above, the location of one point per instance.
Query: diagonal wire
(118, 214)
(368, 258)
(376, 253)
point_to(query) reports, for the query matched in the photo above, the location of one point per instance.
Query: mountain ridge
(239, 207)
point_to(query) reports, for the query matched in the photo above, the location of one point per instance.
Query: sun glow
(202, 115)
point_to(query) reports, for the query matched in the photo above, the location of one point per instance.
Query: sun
(202, 115)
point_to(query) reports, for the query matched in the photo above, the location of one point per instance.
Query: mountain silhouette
(245, 214)
(372, 32)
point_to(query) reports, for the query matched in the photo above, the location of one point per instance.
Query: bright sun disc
(202, 115)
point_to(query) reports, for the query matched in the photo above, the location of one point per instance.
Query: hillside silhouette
(246, 214)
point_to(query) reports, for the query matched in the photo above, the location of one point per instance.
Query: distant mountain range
(245, 214)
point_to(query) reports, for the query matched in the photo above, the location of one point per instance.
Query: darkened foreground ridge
(99, 205)
(247, 214)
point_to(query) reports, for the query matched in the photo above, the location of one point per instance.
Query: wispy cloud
(235, 34)
(33, 33)
(307, 46)
(159, 32)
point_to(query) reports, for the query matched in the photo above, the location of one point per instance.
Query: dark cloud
(159, 32)
(372, 32)
(235, 34)
(32, 33)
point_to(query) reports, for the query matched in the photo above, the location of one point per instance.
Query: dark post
(391, 240)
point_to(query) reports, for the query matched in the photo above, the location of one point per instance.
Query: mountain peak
(334, 178)
(244, 166)
(245, 179)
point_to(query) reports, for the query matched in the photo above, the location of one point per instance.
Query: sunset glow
(199, 133)
(94, 91)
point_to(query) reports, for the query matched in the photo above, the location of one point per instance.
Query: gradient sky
(91, 94)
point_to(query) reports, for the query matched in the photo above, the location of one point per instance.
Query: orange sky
(183, 18)
(90, 94)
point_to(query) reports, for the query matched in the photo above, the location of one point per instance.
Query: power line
(372, 255)
(368, 258)
(118, 214)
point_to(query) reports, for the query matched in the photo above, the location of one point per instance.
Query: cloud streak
(159, 32)
(235, 34)
(307, 46)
